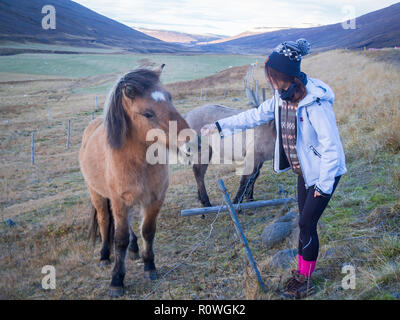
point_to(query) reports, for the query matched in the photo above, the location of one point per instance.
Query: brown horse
(118, 176)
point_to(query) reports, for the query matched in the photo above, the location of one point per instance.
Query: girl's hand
(209, 129)
(316, 194)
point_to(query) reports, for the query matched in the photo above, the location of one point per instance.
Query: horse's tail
(94, 224)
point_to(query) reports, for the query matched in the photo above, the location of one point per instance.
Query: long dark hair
(272, 73)
(134, 84)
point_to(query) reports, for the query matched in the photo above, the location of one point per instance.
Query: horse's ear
(160, 69)
(116, 120)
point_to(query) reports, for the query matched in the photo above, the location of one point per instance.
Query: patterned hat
(287, 56)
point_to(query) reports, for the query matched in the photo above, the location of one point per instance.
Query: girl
(308, 142)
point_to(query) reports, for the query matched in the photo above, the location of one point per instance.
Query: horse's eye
(130, 91)
(149, 114)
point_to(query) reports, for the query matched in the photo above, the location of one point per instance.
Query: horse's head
(139, 103)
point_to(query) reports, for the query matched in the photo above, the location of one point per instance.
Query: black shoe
(298, 286)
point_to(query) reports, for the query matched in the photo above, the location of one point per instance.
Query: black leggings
(310, 210)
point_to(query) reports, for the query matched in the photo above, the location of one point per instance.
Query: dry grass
(49, 202)
(230, 80)
(367, 102)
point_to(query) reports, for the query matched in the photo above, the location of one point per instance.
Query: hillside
(250, 32)
(76, 25)
(238, 36)
(377, 29)
(180, 37)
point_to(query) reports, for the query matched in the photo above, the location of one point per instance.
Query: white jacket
(319, 148)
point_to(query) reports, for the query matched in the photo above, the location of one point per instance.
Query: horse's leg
(104, 221)
(242, 187)
(199, 171)
(133, 252)
(247, 184)
(149, 214)
(120, 214)
(133, 246)
(250, 189)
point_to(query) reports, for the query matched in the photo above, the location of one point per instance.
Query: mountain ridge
(79, 26)
(179, 37)
(76, 25)
(376, 29)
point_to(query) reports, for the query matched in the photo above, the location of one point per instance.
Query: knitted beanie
(286, 57)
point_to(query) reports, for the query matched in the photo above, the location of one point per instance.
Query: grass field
(49, 202)
(54, 47)
(79, 66)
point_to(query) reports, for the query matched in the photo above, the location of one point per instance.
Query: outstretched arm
(242, 121)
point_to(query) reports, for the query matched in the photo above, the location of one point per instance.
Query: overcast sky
(228, 17)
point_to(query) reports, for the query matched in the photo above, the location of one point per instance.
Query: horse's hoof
(116, 292)
(152, 274)
(134, 255)
(104, 263)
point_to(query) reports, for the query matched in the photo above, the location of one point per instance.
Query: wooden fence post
(33, 148)
(257, 93)
(241, 234)
(255, 100)
(69, 134)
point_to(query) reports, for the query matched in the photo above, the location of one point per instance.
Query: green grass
(358, 195)
(93, 89)
(178, 68)
(41, 46)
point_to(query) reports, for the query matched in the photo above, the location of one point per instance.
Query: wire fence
(194, 248)
(232, 233)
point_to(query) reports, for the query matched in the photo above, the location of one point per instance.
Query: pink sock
(307, 267)
(300, 261)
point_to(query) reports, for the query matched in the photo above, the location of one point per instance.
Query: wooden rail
(247, 205)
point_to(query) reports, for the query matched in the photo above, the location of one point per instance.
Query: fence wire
(194, 249)
(222, 288)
